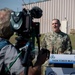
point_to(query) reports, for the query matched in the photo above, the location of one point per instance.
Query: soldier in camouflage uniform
(56, 42)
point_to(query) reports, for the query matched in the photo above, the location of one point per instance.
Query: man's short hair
(57, 21)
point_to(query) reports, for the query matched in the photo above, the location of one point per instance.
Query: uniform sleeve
(43, 43)
(68, 45)
(10, 56)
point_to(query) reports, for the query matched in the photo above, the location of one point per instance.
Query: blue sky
(14, 4)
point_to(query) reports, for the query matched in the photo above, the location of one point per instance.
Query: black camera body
(22, 22)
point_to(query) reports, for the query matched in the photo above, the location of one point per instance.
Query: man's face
(55, 26)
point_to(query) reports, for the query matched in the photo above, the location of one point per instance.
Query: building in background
(61, 9)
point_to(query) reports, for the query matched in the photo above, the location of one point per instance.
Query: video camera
(22, 22)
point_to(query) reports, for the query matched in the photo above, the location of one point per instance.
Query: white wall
(59, 9)
(64, 26)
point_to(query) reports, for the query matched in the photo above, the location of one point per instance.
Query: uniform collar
(57, 32)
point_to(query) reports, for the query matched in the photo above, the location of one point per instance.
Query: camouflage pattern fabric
(57, 43)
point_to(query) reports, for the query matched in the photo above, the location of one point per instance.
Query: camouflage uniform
(56, 43)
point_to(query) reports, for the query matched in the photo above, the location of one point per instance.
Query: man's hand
(22, 73)
(42, 57)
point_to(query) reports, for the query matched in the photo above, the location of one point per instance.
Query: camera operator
(8, 52)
